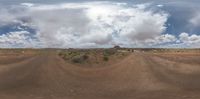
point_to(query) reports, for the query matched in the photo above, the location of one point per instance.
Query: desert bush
(80, 58)
(108, 52)
(60, 54)
(77, 59)
(105, 58)
(85, 57)
(65, 57)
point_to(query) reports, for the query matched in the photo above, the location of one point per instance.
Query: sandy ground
(138, 76)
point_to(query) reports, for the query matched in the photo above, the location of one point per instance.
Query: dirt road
(139, 76)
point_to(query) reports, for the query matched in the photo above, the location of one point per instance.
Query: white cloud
(195, 20)
(17, 39)
(160, 5)
(168, 40)
(161, 40)
(27, 4)
(93, 24)
(190, 40)
(184, 36)
(6, 17)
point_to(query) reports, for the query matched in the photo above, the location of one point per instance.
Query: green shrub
(77, 59)
(105, 58)
(85, 57)
(65, 57)
(80, 58)
(60, 54)
(108, 52)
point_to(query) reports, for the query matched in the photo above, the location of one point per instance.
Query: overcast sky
(98, 23)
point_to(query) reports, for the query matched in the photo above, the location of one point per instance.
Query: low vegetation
(91, 56)
(105, 56)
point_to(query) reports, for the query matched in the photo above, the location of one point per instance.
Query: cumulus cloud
(190, 40)
(163, 39)
(17, 39)
(92, 24)
(183, 40)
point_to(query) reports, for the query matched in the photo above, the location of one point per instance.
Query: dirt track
(139, 76)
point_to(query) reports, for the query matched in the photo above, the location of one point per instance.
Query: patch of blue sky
(14, 28)
(178, 20)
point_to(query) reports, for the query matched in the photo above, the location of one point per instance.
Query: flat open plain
(140, 75)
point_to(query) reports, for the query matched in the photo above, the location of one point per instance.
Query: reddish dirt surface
(138, 76)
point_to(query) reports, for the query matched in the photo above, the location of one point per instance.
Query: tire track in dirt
(187, 59)
(138, 76)
(12, 59)
(14, 75)
(184, 76)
